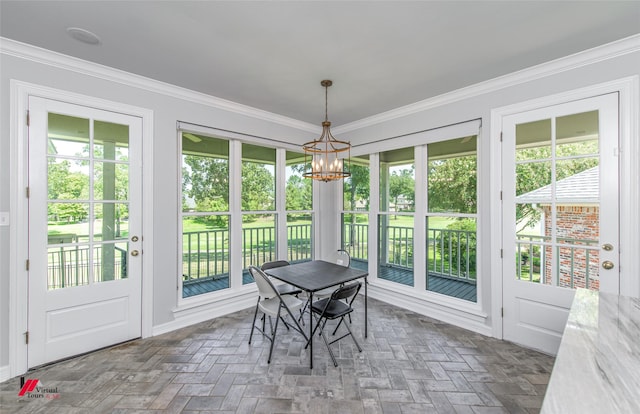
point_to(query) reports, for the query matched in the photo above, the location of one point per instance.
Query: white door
(84, 229)
(560, 214)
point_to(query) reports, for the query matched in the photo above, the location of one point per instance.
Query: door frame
(629, 127)
(18, 234)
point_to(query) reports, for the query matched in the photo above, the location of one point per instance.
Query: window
(451, 217)
(259, 218)
(355, 217)
(299, 207)
(396, 218)
(205, 214)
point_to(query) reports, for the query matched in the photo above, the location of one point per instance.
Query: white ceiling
(272, 55)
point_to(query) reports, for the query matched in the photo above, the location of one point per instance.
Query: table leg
(310, 331)
(366, 324)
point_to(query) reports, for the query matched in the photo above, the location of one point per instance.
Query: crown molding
(588, 57)
(47, 57)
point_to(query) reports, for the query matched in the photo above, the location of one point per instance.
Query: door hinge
(502, 312)
(500, 195)
(501, 252)
(28, 119)
(26, 337)
(500, 136)
(27, 265)
(27, 192)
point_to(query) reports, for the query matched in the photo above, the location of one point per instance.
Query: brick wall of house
(578, 224)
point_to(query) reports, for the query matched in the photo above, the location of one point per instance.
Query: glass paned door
(85, 236)
(560, 218)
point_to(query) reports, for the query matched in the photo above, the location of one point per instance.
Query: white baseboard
(4, 373)
(454, 315)
(195, 312)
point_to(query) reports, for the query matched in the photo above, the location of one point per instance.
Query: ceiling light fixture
(324, 158)
(83, 35)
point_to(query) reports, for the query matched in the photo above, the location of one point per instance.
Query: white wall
(170, 105)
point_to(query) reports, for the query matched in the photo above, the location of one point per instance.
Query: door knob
(607, 264)
(135, 253)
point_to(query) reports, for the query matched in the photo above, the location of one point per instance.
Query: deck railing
(69, 265)
(206, 253)
(451, 253)
(576, 261)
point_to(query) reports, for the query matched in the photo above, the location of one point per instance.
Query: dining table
(315, 275)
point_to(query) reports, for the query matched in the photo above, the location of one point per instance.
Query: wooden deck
(435, 283)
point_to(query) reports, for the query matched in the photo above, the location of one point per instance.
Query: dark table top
(315, 275)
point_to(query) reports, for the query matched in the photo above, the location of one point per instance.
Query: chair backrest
(273, 265)
(346, 291)
(341, 257)
(265, 287)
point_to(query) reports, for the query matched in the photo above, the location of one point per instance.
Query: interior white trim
(588, 57)
(4, 373)
(629, 91)
(18, 295)
(65, 62)
(439, 307)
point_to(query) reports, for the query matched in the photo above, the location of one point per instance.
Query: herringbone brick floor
(410, 364)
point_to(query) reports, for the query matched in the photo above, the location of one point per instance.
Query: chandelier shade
(327, 158)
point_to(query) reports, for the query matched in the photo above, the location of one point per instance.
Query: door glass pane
(77, 230)
(106, 175)
(111, 141)
(67, 179)
(110, 261)
(68, 264)
(558, 200)
(68, 136)
(110, 221)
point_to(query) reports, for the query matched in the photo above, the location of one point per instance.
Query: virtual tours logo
(34, 388)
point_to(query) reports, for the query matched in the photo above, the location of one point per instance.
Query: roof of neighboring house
(581, 188)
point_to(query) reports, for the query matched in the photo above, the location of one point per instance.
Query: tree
(452, 185)
(298, 193)
(258, 187)
(205, 181)
(402, 183)
(66, 185)
(356, 187)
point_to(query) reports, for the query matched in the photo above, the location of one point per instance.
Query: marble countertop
(597, 369)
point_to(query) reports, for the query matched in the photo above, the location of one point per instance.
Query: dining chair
(273, 305)
(283, 288)
(337, 306)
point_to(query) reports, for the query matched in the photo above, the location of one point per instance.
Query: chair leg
(273, 338)
(352, 336)
(333, 358)
(253, 325)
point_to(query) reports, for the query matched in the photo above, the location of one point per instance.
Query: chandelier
(324, 157)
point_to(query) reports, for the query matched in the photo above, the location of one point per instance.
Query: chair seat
(324, 293)
(287, 289)
(334, 310)
(272, 306)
